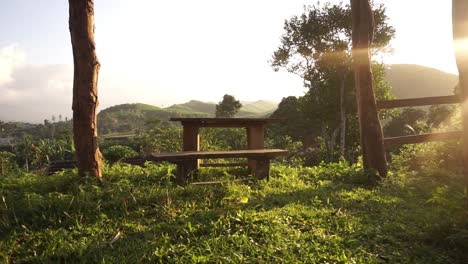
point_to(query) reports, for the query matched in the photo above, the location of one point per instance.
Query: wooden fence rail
(414, 139)
(451, 99)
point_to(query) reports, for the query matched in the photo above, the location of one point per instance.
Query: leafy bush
(36, 154)
(118, 152)
(7, 163)
(161, 139)
(223, 139)
(427, 156)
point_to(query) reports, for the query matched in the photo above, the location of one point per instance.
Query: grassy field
(324, 214)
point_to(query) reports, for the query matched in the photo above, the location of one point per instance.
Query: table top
(247, 153)
(224, 122)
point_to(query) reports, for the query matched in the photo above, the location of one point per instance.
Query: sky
(166, 52)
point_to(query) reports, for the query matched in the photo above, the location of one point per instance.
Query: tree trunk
(85, 99)
(343, 117)
(330, 141)
(369, 124)
(460, 36)
(326, 140)
(333, 142)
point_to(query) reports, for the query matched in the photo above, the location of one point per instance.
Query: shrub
(118, 152)
(7, 163)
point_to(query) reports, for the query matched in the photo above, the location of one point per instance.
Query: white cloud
(32, 92)
(11, 57)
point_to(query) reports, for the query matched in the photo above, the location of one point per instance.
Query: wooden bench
(185, 161)
(59, 165)
(186, 166)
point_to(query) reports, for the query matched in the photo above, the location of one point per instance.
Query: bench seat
(187, 164)
(190, 155)
(59, 165)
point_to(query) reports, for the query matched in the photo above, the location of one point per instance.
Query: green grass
(325, 214)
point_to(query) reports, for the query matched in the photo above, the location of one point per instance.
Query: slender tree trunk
(85, 79)
(333, 142)
(326, 140)
(343, 117)
(330, 141)
(369, 124)
(460, 36)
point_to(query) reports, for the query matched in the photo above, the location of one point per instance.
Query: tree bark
(334, 135)
(460, 37)
(342, 117)
(329, 141)
(85, 79)
(369, 124)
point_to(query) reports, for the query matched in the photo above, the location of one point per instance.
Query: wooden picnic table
(187, 161)
(255, 129)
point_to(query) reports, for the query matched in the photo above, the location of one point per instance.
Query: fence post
(372, 144)
(460, 37)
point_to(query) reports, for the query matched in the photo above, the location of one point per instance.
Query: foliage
(228, 107)
(294, 124)
(299, 126)
(25, 152)
(19, 130)
(428, 156)
(163, 138)
(118, 152)
(222, 139)
(36, 154)
(7, 163)
(321, 214)
(317, 47)
(46, 150)
(296, 156)
(440, 115)
(410, 121)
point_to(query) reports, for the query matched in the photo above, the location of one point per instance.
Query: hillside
(413, 81)
(129, 117)
(194, 106)
(259, 107)
(249, 109)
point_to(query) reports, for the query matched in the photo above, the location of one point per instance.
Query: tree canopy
(228, 107)
(317, 47)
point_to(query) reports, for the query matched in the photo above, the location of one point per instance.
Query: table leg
(255, 140)
(184, 170)
(262, 169)
(191, 142)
